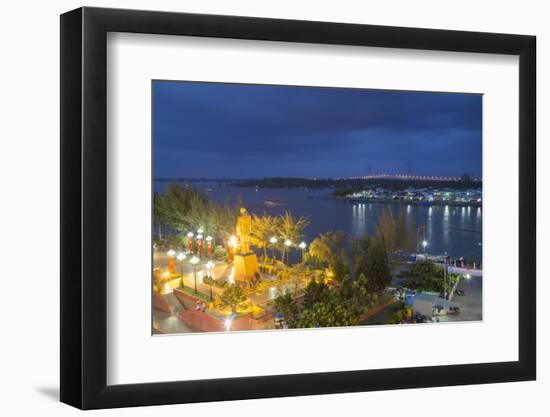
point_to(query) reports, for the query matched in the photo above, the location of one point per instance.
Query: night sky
(213, 130)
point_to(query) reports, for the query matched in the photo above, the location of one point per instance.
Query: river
(455, 231)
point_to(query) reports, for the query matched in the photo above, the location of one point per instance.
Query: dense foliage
(324, 307)
(377, 269)
(396, 234)
(182, 208)
(357, 295)
(423, 276)
(285, 305)
(328, 248)
(233, 297)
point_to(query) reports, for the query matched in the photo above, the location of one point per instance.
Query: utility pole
(445, 280)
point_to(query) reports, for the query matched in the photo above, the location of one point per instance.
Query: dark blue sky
(254, 131)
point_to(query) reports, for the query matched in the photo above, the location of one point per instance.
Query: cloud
(268, 129)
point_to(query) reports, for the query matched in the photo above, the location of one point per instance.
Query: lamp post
(210, 268)
(302, 246)
(181, 257)
(232, 244)
(166, 275)
(445, 280)
(194, 261)
(171, 253)
(288, 243)
(228, 322)
(209, 245)
(424, 244)
(273, 242)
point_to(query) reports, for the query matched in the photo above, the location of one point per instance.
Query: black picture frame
(84, 207)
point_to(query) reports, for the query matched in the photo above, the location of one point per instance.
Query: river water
(455, 231)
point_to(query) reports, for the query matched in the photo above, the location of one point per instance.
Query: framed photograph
(258, 208)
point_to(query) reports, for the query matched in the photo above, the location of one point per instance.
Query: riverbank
(405, 202)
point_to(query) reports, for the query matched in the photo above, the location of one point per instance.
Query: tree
(233, 297)
(175, 204)
(331, 311)
(395, 233)
(158, 218)
(356, 294)
(285, 305)
(291, 228)
(328, 248)
(263, 228)
(315, 292)
(378, 272)
(340, 271)
(359, 254)
(424, 276)
(405, 239)
(400, 311)
(184, 209)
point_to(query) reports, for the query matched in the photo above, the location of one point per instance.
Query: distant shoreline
(343, 183)
(404, 202)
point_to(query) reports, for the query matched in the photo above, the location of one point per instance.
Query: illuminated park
(278, 207)
(236, 271)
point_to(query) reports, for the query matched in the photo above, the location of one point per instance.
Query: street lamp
(166, 276)
(209, 267)
(467, 276)
(194, 261)
(424, 244)
(273, 241)
(181, 257)
(171, 253)
(302, 246)
(232, 245)
(288, 243)
(228, 322)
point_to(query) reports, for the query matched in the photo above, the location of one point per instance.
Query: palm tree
(328, 248)
(263, 229)
(290, 229)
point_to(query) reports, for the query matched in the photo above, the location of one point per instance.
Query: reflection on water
(452, 230)
(359, 218)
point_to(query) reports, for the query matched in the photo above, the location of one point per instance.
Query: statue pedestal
(246, 266)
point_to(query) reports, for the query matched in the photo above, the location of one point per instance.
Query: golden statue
(244, 229)
(245, 262)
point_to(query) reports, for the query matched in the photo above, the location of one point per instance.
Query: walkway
(168, 323)
(469, 303)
